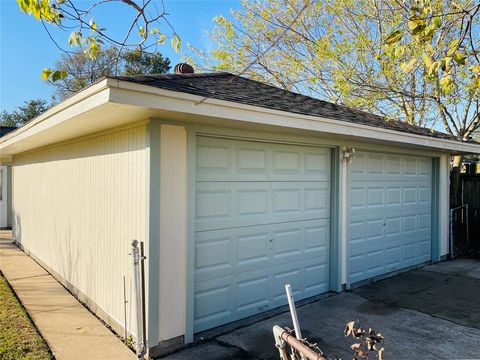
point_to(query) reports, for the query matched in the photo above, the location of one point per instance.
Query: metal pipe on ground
(283, 337)
(293, 311)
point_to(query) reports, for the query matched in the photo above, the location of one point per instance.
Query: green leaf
(475, 69)
(460, 58)
(408, 67)
(57, 75)
(413, 23)
(75, 38)
(416, 25)
(427, 60)
(429, 48)
(446, 63)
(161, 39)
(46, 73)
(437, 22)
(446, 83)
(92, 24)
(175, 42)
(141, 32)
(394, 37)
(24, 5)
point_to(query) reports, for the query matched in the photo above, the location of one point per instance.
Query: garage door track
(428, 313)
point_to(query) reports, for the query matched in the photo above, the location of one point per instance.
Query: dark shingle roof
(229, 87)
(4, 130)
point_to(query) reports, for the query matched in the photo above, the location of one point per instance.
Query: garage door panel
(404, 210)
(212, 304)
(377, 194)
(412, 219)
(221, 205)
(389, 213)
(231, 251)
(262, 219)
(240, 295)
(390, 167)
(402, 177)
(421, 241)
(377, 238)
(236, 160)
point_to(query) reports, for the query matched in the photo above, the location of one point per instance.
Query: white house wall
(77, 207)
(4, 197)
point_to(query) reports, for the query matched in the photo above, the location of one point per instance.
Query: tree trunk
(455, 183)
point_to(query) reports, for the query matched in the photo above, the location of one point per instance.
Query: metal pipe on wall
(139, 288)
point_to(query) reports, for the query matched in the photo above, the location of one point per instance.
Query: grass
(19, 339)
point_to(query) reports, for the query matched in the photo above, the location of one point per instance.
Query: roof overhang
(111, 103)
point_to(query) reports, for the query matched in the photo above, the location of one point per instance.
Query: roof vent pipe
(183, 68)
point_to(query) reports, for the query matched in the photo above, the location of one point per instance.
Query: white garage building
(234, 186)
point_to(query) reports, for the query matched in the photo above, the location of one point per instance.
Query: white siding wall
(77, 206)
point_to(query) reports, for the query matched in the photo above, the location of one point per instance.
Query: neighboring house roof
(229, 87)
(4, 130)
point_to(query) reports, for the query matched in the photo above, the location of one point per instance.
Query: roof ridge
(167, 75)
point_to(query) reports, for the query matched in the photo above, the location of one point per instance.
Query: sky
(26, 49)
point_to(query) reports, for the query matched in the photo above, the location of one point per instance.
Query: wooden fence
(465, 221)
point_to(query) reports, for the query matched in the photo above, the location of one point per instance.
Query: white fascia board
(85, 100)
(155, 98)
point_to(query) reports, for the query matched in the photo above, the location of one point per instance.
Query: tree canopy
(368, 55)
(23, 114)
(147, 29)
(82, 71)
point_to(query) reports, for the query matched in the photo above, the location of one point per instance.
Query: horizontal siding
(77, 207)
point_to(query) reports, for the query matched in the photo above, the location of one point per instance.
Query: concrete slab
(209, 350)
(451, 297)
(408, 334)
(69, 329)
(461, 267)
(5, 234)
(430, 313)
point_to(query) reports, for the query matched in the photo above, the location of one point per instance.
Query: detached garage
(235, 188)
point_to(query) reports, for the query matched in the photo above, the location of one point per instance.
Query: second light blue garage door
(390, 213)
(262, 215)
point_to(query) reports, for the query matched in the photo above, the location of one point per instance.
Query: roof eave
(126, 92)
(115, 91)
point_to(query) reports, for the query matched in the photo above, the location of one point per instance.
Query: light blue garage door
(390, 213)
(261, 220)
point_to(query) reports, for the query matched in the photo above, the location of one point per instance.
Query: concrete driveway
(429, 313)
